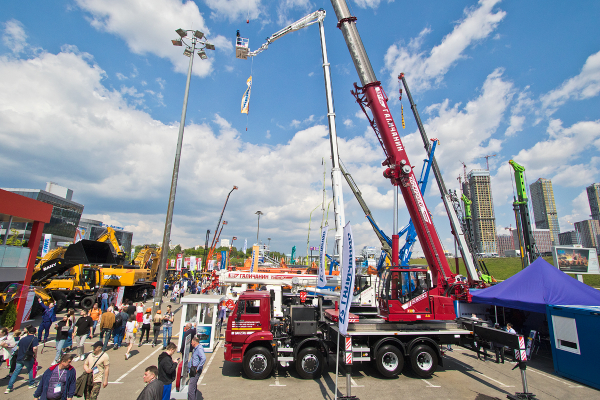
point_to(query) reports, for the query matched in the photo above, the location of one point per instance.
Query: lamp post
(259, 213)
(196, 37)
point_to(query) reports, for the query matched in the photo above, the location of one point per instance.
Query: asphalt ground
(462, 377)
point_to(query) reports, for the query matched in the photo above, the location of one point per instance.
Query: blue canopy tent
(536, 286)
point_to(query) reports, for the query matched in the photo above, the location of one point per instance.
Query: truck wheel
(309, 363)
(389, 361)
(423, 360)
(258, 363)
(87, 303)
(60, 301)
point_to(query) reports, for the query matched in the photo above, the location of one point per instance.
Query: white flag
(245, 246)
(321, 277)
(347, 279)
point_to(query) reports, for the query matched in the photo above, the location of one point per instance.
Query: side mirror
(240, 307)
(428, 280)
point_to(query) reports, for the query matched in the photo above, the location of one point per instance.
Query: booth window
(565, 334)
(191, 313)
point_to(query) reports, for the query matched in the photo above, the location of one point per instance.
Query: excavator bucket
(89, 252)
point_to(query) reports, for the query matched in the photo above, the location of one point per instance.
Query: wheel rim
(310, 363)
(424, 361)
(389, 361)
(258, 363)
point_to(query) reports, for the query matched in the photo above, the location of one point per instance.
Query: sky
(91, 93)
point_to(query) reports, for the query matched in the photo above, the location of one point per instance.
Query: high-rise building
(224, 243)
(593, 192)
(568, 238)
(543, 241)
(505, 243)
(588, 232)
(544, 208)
(484, 221)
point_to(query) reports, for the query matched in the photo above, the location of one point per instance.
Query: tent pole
(496, 313)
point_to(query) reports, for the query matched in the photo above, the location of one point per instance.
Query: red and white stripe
(348, 344)
(349, 358)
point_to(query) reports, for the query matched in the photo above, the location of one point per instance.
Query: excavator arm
(109, 236)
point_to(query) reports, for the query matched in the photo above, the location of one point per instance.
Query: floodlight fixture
(177, 42)
(187, 52)
(202, 55)
(198, 34)
(209, 46)
(181, 32)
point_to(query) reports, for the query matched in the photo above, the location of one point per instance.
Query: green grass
(505, 267)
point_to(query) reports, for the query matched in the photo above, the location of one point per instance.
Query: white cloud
(235, 9)
(286, 7)
(57, 113)
(161, 82)
(575, 175)
(268, 135)
(14, 36)
(311, 73)
(580, 87)
(120, 76)
(222, 43)
(369, 3)
(360, 115)
(524, 105)
(147, 26)
(348, 122)
(580, 211)
(429, 69)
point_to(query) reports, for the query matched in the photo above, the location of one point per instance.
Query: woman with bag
(62, 331)
(130, 331)
(146, 321)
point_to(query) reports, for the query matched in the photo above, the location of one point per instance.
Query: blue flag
(347, 279)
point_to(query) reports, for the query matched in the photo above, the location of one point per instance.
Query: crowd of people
(119, 324)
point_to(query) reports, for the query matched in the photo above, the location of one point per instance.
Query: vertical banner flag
(246, 97)
(347, 278)
(179, 262)
(172, 263)
(321, 281)
(224, 259)
(46, 247)
(186, 263)
(79, 234)
(245, 246)
(192, 263)
(254, 259)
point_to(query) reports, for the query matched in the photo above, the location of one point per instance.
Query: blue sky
(91, 96)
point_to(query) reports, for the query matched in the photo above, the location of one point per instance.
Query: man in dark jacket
(154, 387)
(131, 309)
(167, 369)
(48, 318)
(58, 382)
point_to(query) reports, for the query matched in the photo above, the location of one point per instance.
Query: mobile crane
(529, 251)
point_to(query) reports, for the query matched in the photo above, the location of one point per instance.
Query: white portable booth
(201, 311)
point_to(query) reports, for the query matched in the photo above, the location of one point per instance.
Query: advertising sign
(28, 305)
(347, 279)
(79, 234)
(179, 262)
(193, 263)
(575, 260)
(187, 262)
(224, 259)
(203, 333)
(321, 277)
(255, 256)
(120, 293)
(46, 246)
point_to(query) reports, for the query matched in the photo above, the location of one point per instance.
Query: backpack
(118, 320)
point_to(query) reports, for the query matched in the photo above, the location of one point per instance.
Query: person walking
(96, 363)
(104, 305)
(131, 309)
(58, 381)
(71, 323)
(146, 321)
(154, 387)
(121, 333)
(139, 314)
(62, 332)
(167, 369)
(95, 314)
(7, 344)
(83, 329)
(107, 320)
(130, 330)
(167, 326)
(117, 328)
(195, 366)
(222, 310)
(26, 356)
(48, 318)
(156, 324)
(13, 352)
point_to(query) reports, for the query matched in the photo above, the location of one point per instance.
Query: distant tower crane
(487, 160)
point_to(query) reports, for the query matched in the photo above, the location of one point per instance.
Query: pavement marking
(551, 377)
(209, 362)
(137, 365)
(354, 384)
(429, 384)
(477, 372)
(277, 381)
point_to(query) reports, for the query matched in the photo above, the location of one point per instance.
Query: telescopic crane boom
(529, 251)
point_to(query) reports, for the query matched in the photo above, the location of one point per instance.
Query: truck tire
(87, 303)
(389, 361)
(423, 360)
(258, 363)
(309, 363)
(60, 301)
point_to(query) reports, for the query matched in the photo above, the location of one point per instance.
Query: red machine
(437, 303)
